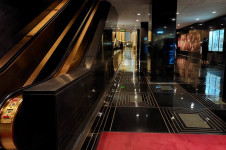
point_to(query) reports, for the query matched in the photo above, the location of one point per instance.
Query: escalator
(69, 34)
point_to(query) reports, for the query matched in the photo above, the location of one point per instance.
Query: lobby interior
(113, 74)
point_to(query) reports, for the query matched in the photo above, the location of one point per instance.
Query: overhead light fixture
(222, 24)
(214, 12)
(173, 19)
(197, 18)
(137, 20)
(138, 14)
(165, 27)
(200, 24)
(177, 13)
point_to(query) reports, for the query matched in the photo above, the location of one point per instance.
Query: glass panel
(210, 40)
(221, 40)
(215, 40)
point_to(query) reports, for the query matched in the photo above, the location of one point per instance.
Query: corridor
(191, 103)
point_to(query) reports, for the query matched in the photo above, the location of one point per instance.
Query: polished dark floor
(190, 102)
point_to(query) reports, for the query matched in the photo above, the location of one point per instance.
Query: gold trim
(77, 51)
(26, 38)
(7, 118)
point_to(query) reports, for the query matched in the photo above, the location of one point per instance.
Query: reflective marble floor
(190, 102)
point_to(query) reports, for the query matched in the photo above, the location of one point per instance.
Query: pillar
(144, 40)
(163, 22)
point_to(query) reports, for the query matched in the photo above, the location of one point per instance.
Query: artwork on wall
(190, 42)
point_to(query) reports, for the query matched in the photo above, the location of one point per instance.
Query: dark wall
(15, 15)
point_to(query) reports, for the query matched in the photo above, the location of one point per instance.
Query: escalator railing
(23, 63)
(70, 101)
(7, 129)
(14, 52)
(10, 104)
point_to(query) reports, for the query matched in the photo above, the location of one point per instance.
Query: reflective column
(144, 40)
(163, 21)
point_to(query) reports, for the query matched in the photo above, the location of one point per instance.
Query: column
(144, 40)
(163, 22)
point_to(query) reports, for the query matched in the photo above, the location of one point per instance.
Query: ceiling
(189, 11)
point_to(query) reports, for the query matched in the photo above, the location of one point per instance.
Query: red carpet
(160, 141)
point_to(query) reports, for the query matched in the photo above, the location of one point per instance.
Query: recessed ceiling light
(222, 24)
(200, 24)
(165, 27)
(137, 20)
(214, 12)
(197, 18)
(173, 19)
(138, 14)
(177, 13)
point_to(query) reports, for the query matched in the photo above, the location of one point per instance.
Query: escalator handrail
(11, 60)
(70, 47)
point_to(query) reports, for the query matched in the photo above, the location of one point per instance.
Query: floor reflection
(190, 102)
(202, 79)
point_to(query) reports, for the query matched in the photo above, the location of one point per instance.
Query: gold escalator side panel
(7, 117)
(79, 46)
(53, 48)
